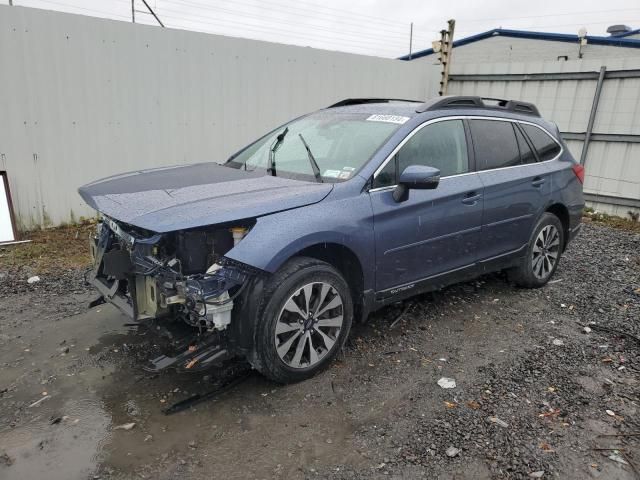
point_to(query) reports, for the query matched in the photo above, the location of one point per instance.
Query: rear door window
(546, 146)
(495, 144)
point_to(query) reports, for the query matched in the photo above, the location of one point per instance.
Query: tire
(539, 264)
(287, 356)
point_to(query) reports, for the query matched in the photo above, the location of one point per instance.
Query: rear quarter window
(546, 146)
(526, 154)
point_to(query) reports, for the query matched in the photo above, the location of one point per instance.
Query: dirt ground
(536, 395)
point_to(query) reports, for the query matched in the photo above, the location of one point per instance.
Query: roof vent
(617, 30)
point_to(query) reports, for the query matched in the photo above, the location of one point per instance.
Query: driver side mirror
(416, 177)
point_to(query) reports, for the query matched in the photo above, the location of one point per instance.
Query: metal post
(410, 40)
(10, 3)
(592, 115)
(133, 11)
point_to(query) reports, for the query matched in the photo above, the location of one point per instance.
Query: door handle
(538, 182)
(471, 198)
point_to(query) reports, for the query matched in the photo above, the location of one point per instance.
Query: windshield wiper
(272, 153)
(312, 160)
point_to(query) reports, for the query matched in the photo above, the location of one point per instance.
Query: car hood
(181, 197)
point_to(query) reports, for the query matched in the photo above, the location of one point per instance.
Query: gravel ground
(537, 395)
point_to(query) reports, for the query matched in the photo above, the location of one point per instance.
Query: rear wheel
(543, 253)
(305, 319)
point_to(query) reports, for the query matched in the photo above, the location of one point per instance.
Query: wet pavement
(68, 380)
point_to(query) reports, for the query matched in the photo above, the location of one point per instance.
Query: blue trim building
(612, 41)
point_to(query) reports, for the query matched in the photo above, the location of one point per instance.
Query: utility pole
(150, 11)
(410, 40)
(446, 51)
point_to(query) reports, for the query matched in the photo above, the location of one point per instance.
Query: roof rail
(461, 101)
(361, 101)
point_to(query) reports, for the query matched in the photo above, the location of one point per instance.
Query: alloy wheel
(309, 324)
(546, 250)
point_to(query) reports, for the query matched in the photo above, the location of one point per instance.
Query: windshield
(340, 144)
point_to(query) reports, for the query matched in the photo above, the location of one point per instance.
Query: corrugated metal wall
(82, 98)
(612, 167)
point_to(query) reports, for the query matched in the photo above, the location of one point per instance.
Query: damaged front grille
(175, 275)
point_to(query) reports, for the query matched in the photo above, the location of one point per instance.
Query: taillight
(579, 171)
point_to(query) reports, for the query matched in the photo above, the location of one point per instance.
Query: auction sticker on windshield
(399, 119)
(331, 173)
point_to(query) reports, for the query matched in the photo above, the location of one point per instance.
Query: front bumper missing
(109, 289)
(145, 287)
(197, 356)
(111, 293)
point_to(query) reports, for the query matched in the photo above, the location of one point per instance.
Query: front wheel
(305, 318)
(543, 253)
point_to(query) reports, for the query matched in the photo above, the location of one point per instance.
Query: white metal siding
(612, 168)
(83, 98)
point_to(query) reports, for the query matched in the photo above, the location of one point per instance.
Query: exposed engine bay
(180, 275)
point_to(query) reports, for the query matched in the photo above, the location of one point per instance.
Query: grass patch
(50, 249)
(628, 224)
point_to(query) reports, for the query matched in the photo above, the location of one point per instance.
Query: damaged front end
(178, 276)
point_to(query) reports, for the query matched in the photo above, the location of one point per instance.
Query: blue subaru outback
(272, 254)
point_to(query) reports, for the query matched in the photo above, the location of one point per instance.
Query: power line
(605, 22)
(317, 24)
(280, 20)
(337, 39)
(290, 10)
(546, 15)
(315, 9)
(294, 9)
(420, 38)
(296, 25)
(333, 40)
(101, 12)
(333, 36)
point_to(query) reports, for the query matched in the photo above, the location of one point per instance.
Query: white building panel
(612, 168)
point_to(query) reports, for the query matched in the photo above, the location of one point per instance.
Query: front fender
(276, 238)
